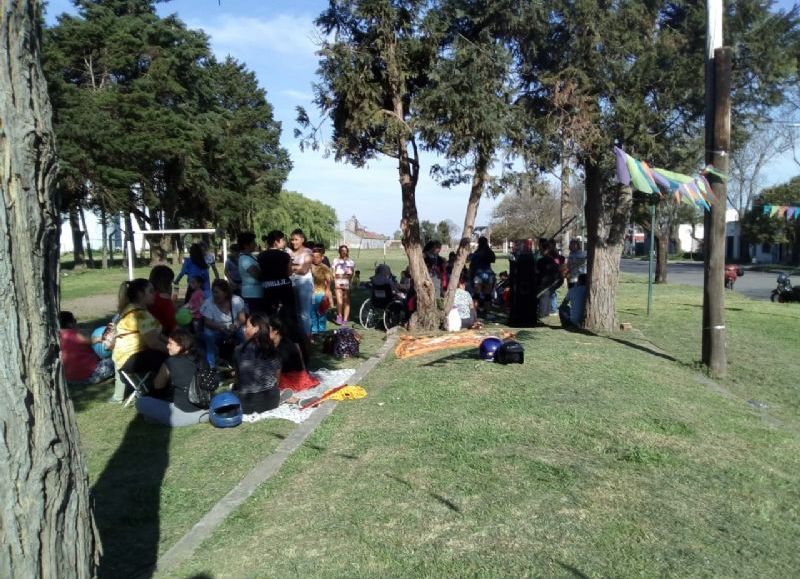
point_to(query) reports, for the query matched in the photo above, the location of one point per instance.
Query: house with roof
(354, 234)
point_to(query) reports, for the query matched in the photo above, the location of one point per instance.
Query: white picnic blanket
(327, 379)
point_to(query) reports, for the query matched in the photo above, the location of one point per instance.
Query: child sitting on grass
(81, 364)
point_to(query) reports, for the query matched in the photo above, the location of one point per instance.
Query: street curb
(266, 469)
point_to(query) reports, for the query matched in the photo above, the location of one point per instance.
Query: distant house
(691, 240)
(356, 235)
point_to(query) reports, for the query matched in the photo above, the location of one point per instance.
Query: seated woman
(139, 346)
(465, 306)
(81, 364)
(293, 371)
(170, 401)
(258, 367)
(224, 316)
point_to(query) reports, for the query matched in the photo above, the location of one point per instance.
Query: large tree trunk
(606, 222)
(88, 241)
(478, 182)
(104, 234)
(78, 256)
(427, 316)
(46, 527)
(662, 249)
(567, 203)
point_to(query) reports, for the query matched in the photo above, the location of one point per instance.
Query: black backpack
(342, 343)
(204, 382)
(510, 352)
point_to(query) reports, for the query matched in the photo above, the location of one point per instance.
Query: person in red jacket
(81, 364)
(163, 308)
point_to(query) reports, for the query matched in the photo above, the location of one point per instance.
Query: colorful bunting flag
(691, 190)
(788, 211)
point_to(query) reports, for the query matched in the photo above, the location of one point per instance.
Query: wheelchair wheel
(393, 314)
(367, 316)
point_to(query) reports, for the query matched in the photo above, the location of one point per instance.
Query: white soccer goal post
(174, 232)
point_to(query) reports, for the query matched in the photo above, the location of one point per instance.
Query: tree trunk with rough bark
(46, 527)
(427, 316)
(662, 249)
(104, 234)
(476, 190)
(607, 216)
(78, 256)
(88, 241)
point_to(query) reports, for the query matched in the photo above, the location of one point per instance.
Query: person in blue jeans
(571, 310)
(224, 315)
(169, 403)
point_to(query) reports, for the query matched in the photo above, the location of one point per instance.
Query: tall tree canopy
(291, 210)
(150, 123)
(596, 74)
(400, 75)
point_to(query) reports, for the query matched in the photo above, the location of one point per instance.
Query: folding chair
(136, 381)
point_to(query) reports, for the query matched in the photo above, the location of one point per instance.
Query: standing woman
(232, 270)
(343, 269)
(139, 346)
(170, 405)
(258, 367)
(301, 278)
(195, 266)
(252, 291)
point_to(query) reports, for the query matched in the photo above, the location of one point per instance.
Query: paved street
(755, 284)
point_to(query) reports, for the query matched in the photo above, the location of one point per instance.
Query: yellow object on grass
(348, 393)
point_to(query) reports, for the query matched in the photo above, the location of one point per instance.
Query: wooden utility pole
(718, 121)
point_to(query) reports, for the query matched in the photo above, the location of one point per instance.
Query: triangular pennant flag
(773, 209)
(782, 211)
(639, 180)
(791, 212)
(767, 209)
(712, 171)
(623, 175)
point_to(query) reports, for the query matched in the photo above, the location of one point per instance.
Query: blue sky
(277, 40)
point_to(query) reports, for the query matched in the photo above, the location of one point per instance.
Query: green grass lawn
(151, 484)
(600, 456)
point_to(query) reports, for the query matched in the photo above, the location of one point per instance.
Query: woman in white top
(301, 278)
(224, 315)
(343, 270)
(252, 290)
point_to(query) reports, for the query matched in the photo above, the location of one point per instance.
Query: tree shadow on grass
(83, 396)
(437, 497)
(643, 348)
(126, 500)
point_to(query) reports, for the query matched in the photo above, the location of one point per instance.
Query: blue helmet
(225, 410)
(489, 347)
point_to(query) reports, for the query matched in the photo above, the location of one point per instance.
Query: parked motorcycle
(785, 292)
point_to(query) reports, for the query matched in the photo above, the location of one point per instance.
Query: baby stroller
(386, 305)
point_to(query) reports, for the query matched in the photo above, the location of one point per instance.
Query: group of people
(537, 276)
(258, 335)
(295, 281)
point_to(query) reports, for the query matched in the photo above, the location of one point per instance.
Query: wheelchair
(382, 308)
